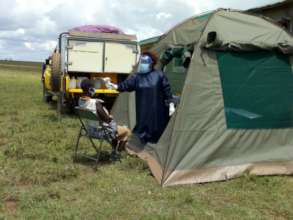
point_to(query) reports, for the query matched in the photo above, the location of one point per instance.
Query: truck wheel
(56, 83)
(56, 72)
(71, 103)
(46, 96)
(56, 65)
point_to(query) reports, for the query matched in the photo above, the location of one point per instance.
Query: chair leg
(97, 149)
(77, 143)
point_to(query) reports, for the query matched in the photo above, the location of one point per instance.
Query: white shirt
(89, 104)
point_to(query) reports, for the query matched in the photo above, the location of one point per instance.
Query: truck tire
(56, 83)
(56, 72)
(47, 97)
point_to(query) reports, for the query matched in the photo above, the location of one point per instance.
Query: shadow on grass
(53, 115)
(89, 159)
(132, 162)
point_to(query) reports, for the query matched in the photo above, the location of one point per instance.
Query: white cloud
(148, 32)
(44, 26)
(1, 44)
(29, 28)
(163, 15)
(200, 6)
(36, 6)
(20, 32)
(47, 45)
(29, 45)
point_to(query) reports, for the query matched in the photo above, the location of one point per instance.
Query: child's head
(88, 87)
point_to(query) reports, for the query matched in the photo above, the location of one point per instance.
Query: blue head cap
(146, 59)
(145, 64)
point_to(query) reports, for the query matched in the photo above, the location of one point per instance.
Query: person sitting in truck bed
(120, 133)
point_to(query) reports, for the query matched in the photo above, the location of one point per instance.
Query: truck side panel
(85, 56)
(120, 58)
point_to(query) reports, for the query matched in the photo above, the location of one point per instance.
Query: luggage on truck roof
(101, 31)
(98, 29)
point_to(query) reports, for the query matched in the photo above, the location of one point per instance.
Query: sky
(29, 28)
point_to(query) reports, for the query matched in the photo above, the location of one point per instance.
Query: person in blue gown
(154, 101)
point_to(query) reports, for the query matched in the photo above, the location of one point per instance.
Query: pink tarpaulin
(98, 29)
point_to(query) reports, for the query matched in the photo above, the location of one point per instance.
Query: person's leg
(123, 134)
(114, 144)
(115, 155)
(121, 146)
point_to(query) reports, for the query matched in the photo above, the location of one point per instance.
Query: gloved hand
(109, 84)
(171, 109)
(106, 79)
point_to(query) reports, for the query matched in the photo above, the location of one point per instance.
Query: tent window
(176, 75)
(175, 65)
(257, 89)
(285, 22)
(178, 62)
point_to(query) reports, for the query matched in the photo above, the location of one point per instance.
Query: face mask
(145, 64)
(144, 68)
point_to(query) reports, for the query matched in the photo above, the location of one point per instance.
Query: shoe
(121, 146)
(115, 156)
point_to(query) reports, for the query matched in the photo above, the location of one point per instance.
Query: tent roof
(255, 32)
(237, 30)
(183, 33)
(149, 40)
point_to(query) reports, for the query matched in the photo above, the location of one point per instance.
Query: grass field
(38, 179)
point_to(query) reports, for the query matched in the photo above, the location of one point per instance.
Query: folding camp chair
(103, 131)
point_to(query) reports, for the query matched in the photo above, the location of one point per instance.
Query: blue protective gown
(152, 95)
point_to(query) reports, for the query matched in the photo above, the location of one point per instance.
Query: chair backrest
(85, 114)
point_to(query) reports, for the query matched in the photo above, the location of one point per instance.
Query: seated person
(119, 134)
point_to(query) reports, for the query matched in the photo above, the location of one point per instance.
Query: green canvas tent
(236, 110)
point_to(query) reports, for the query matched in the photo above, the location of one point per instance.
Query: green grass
(38, 179)
(25, 66)
(21, 63)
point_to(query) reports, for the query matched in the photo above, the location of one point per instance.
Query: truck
(92, 55)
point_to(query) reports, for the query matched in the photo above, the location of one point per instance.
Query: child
(119, 134)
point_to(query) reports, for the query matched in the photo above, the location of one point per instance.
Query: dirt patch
(3, 141)
(10, 205)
